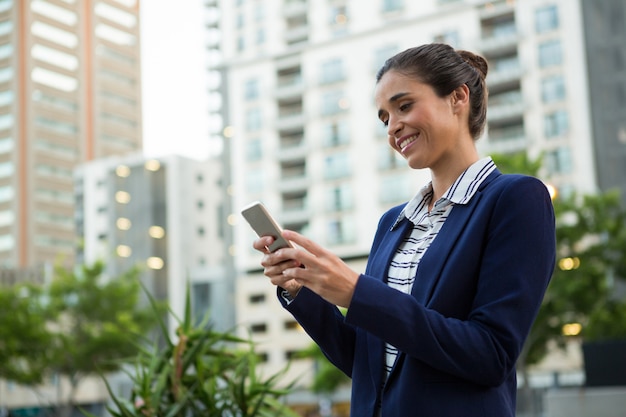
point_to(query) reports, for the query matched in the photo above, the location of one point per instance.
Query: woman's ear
(460, 97)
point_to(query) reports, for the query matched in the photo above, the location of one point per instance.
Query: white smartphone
(264, 224)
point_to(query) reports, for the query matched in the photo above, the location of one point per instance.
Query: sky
(175, 102)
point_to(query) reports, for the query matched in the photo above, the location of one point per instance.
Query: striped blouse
(426, 227)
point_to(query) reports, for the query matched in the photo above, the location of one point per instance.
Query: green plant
(202, 372)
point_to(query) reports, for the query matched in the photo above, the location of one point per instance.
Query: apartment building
(69, 93)
(167, 216)
(292, 87)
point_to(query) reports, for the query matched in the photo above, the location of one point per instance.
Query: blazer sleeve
(487, 293)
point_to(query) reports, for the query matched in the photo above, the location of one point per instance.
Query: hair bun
(475, 61)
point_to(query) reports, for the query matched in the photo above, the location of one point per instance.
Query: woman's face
(426, 129)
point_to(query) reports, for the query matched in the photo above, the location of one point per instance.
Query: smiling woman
(455, 276)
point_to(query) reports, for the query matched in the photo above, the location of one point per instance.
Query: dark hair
(445, 69)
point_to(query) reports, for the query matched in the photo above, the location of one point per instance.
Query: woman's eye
(405, 107)
(385, 122)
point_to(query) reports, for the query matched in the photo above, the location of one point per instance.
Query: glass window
(260, 36)
(550, 53)
(6, 74)
(6, 193)
(54, 34)
(341, 231)
(7, 242)
(6, 145)
(332, 71)
(555, 124)
(6, 26)
(553, 89)
(6, 50)
(339, 198)
(388, 158)
(332, 103)
(392, 5)
(6, 169)
(259, 12)
(450, 37)
(6, 97)
(7, 218)
(395, 188)
(338, 15)
(382, 54)
(201, 299)
(253, 119)
(559, 161)
(6, 121)
(254, 150)
(336, 166)
(336, 134)
(255, 181)
(546, 19)
(251, 89)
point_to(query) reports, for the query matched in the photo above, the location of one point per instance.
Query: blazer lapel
(429, 270)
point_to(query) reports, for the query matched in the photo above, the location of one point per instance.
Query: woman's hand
(275, 264)
(309, 265)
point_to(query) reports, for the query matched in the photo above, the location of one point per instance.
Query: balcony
(289, 86)
(294, 8)
(297, 34)
(506, 106)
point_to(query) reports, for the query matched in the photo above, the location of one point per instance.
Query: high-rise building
(69, 93)
(165, 215)
(299, 124)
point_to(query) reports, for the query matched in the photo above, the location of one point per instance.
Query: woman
(455, 277)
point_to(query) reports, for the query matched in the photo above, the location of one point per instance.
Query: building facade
(69, 93)
(165, 216)
(294, 85)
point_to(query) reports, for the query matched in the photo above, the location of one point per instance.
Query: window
(332, 71)
(254, 119)
(260, 36)
(6, 169)
(258, 328)
(254, 150)
(394, 189)
(254, 181)
(335, 134)
(555, 124)
(546, 19)
(550, 54)
(553, 89)
(388, 158)
(251, 89)
(333, 103)
(201, 299)
(256, 299)
(559, 161)
(336, 166)
(382, 54)
(339, 198)
(7, 242)
(392, 5)
(450, 37)
(340, 231)
(338, 15)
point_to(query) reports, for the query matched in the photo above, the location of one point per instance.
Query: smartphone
(264, 224)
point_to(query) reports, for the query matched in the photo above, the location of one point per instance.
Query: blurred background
(132, 133)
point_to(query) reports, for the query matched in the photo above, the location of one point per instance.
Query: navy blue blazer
(459, 333)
